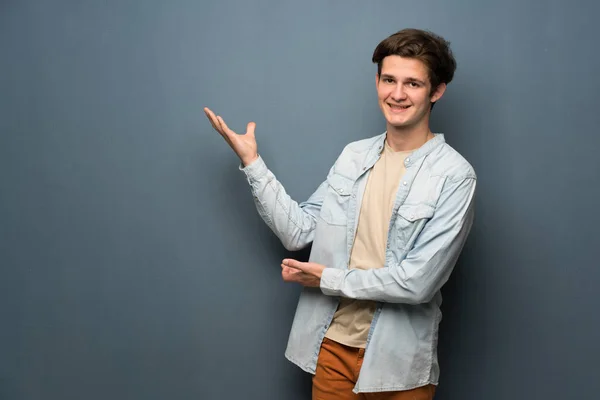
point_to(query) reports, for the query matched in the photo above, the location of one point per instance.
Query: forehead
(402, 68)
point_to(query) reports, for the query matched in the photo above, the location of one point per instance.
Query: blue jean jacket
(431, 219)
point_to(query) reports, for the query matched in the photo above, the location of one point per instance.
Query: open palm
(244, 145)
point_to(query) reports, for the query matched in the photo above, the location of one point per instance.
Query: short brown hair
(427, 47)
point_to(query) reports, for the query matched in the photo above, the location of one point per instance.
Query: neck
(409, 138)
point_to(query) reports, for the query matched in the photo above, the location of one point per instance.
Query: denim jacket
(431, 218)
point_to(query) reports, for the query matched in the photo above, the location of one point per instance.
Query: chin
(395, 123)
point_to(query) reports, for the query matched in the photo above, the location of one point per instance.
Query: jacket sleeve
(293, 223)
(427, 266)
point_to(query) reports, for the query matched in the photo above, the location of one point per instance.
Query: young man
(387, 226)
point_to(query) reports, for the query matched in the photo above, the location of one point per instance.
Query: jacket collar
(421, 152)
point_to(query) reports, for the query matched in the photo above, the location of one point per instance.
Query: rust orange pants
(337, 372)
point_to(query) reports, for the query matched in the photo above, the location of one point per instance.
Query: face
(404, 92)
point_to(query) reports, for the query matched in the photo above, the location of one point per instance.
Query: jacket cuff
(255, 170)
(331, 281)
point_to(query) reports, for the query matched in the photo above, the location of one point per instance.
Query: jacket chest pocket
(334, 210)
(410, 222)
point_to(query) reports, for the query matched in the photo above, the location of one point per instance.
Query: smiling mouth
(398, 108)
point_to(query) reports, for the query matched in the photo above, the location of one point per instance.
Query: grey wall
(133, 264)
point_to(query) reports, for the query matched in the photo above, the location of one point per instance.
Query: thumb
(250, 128)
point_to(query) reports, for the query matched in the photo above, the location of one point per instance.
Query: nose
(398, 94)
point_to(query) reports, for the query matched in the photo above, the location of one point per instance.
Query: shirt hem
(394, 388)
(303, 367)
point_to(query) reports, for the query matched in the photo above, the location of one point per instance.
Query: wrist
(248, 160)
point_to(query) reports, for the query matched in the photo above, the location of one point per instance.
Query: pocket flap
(341, 184)
(413, 212)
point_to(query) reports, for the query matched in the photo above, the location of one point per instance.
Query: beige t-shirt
(352, 320)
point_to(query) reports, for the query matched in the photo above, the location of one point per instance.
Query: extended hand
(304, 273)
(244, 145)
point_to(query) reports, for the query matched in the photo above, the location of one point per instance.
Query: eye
(413, 84)
(388, 80)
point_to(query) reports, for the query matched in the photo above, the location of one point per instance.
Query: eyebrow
(415, 80)
(387, 76)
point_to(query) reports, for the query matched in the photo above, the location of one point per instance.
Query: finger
(212, 118)
(297, 265)
(250, 129)
(289, 274)
(227, 133)
(289, 270)
(216, 123)
(225, 128)
(224, 132)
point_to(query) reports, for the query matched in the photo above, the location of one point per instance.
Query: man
(387, 226)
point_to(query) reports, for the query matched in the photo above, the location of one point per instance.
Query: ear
(438, 93)
(377, 81)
